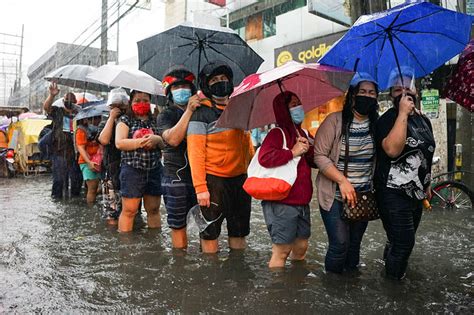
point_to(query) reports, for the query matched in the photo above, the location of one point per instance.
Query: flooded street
(61, 257)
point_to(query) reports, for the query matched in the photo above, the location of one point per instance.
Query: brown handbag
(366, 204)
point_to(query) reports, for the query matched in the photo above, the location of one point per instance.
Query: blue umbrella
(419, 35)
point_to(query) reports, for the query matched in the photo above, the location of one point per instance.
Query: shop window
(239, 27)
(269, 23)
(263, 24)
(254, 27)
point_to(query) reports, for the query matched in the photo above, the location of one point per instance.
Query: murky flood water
(61, 257)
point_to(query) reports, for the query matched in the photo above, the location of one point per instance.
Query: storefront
(306, 51)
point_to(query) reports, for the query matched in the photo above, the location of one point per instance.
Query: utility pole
(118, 32)
(103, 36)
(21, 56)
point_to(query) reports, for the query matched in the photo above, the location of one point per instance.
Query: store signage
(306, 51)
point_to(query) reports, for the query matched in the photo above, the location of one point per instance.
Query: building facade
(34, 94)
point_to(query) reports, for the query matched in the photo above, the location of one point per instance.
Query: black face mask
(68, 104)
(365, 105)
(92, 132)
(396, 100)
(221, 89)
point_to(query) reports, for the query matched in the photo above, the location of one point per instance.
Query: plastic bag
(196, 220)
(117, 96)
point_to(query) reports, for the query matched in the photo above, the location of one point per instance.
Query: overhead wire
(68, 53)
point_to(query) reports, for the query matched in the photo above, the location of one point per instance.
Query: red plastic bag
(97, 159)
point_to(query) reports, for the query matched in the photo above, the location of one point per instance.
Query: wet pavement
(61, 257)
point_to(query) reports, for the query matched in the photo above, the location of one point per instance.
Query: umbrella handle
(280, 85)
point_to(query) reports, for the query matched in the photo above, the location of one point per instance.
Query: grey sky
(50, 21)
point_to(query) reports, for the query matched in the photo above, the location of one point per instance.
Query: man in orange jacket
(219, 158)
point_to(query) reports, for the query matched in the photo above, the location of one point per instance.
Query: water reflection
(61, 257)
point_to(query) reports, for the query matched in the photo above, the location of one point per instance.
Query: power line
(39, 86)
(65, 53)
(92, 24)
(108, 27)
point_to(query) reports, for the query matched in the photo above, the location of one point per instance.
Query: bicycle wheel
(452, 195)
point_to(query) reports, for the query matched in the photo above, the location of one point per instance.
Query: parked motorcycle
(7, 163)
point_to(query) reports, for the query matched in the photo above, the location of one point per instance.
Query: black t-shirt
(410, 172)
(63, 133)
(111, 153)
(175, 159)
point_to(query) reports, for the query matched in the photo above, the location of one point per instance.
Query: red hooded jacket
(272, 153)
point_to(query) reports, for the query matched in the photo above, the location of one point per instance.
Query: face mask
(67, 104)
(141, 109)
(221, 89)
(396, 100)
(181, 96)
(297, 114)
(365, 104)
(92, 132)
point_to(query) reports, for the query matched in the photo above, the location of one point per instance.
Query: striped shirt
(140, 158)
(361, 157)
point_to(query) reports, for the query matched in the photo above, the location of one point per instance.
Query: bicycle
(451, 194)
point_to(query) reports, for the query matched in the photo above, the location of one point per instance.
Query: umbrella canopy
(93, 111)
(419, 35)
(251, 104)
(126, 77)
(193, 46)
(460, 87)
(75, 76)
(86, 97)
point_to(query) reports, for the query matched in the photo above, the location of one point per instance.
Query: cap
(405, 75)
(361, 77)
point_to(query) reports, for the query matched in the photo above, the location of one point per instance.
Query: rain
(143, 169)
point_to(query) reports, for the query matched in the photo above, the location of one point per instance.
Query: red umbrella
(251, 104)
(460, 86)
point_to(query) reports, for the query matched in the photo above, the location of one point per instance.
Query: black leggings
(401, 216)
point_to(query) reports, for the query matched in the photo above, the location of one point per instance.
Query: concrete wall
(440, 131)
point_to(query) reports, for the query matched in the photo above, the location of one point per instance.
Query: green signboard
(430, 103)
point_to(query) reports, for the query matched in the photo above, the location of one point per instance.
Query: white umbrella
(120, 76)
(75, 76)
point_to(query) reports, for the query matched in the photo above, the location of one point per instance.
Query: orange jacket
(221, 152)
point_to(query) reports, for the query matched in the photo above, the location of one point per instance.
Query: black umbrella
(193, 46)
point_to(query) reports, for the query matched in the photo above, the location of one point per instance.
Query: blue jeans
(344, 239)
(64, 172)
(400, 216)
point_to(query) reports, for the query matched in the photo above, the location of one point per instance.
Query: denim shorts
(179, 197)
(286, 223)
(136, 183)
(87, 174)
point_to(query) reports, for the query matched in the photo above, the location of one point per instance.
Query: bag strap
(346, 153)
(284, 138)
